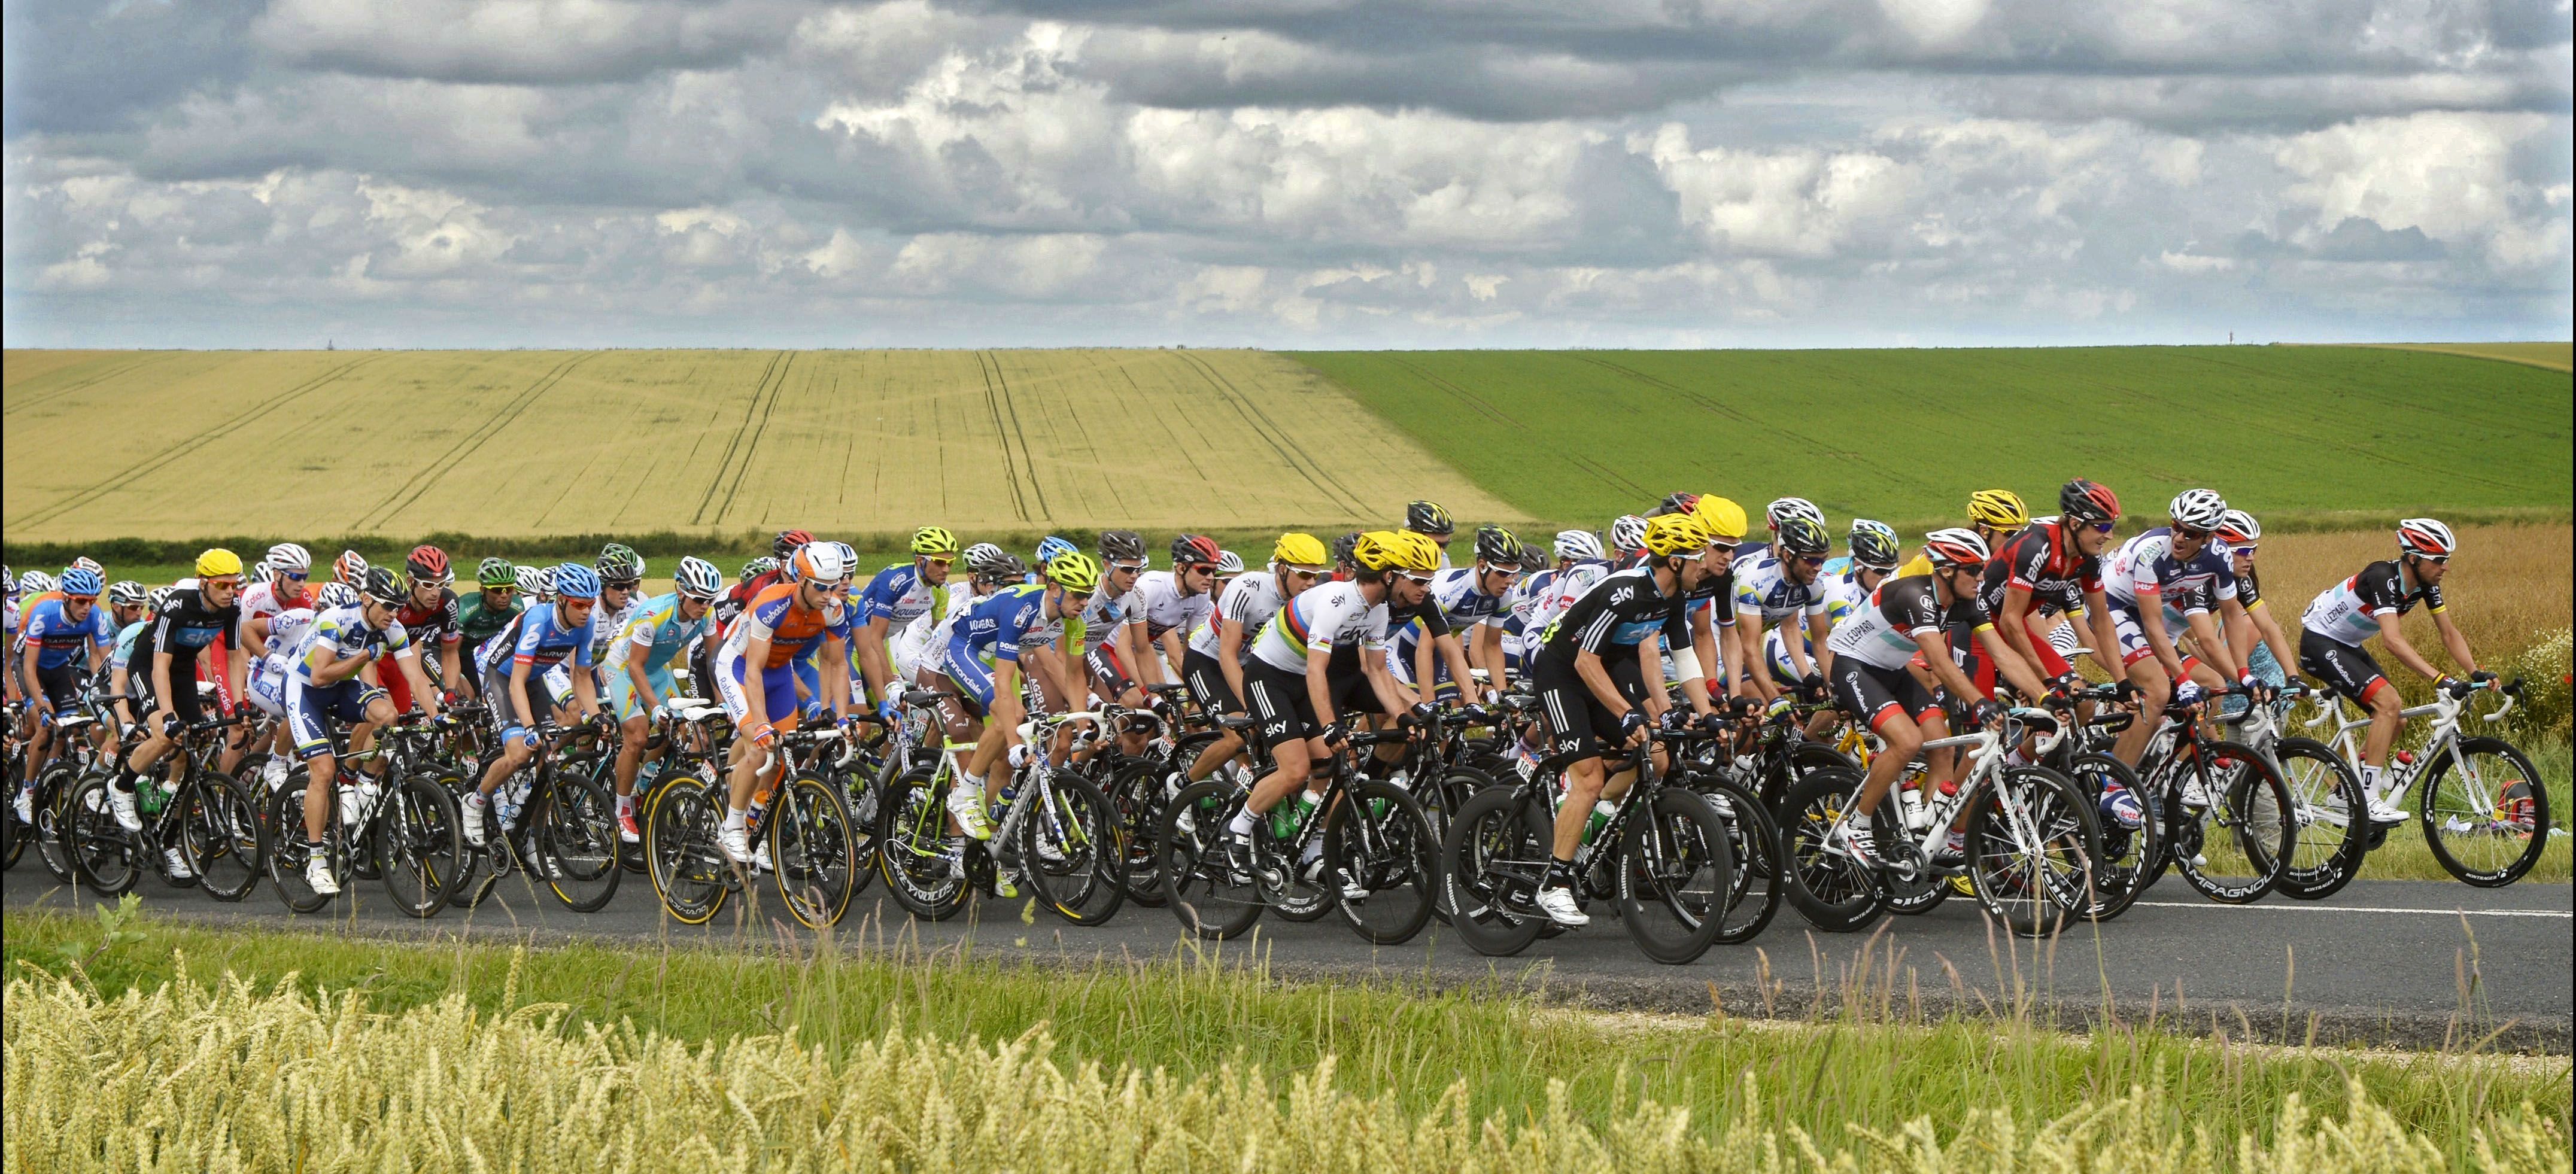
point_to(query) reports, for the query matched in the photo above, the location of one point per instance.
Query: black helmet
(1344, 546)
(383, 587)
(1873, 550)
(787, 542)
(1423, 517)
(1499, 546)
(1677, 502)
(2082, 501)
(1122, 546)
(1803, 537)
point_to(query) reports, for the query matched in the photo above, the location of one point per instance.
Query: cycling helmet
(1344, 548)
(428, 564)
(1674, 534)
(1674, 503)
(493, 574)
(787, 542)
(1396, 550)
(1228, 564)
(531, 580)
(1122, 546)
(933, 540)
(575, 581)
(125, 593)
(849, 555)
(2199, 509)
(1051, 548)
(1076, 572)
(2426, 537)
(1010, 570)
(287, 556)
(817, 563)
(758, 567)
(9, 580)
(350, 568)
(1578, 544)
(2082, 501)
(1301, 550)
(1628, 533)
(35, 583)
(1498, 546)
(1425, 517)
(1194, 548)
(698, 579)
(986, 559)
(2239, 528)
(81, 583)
(335, 594)
(1874, 550)
(383, 587)
(2001, 509)
(160, 598)
(86, 563)
(217, 561)
(1862, 526)
(1801, 536)
(619, 563)
(1723, 519)
(1957, 548)
(1783, 509)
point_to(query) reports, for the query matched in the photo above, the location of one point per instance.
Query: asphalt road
(2400, 962)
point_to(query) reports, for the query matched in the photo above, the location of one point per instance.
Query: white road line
(2360, 909)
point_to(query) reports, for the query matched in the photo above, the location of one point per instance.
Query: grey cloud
(522, 42)
(92, 67)
(2356, 239)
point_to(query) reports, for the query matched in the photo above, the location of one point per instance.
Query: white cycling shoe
(317, 873)
(176, 865)
(1560, 906)
(120, 803)
(737, 845)
(470, 814)
(966, 804)
(25, 806)
(2385, 813)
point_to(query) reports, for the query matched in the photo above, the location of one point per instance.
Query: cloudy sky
(1283, 172)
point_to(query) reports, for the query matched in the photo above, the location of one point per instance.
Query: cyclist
(1873, 559)
(283, 585)
(1172, 604)
(1905, 618)
(621, 577)
(1844, 566)
(1464, 599)
(1781, 510)
(1343, 564)
(1600, 681)
(1289, 683)
(2056, 563)
(2164, 582)
(1996, 515)
(894, 600)
(67, 636)
(337, 674)
(1784, 583)
(1534, 599)
(984, 659)
(484, 616)
(1427, 519)
(514, 663)
(759, 576)
(2345, 616)
(125, 600)
(915, 651)
(201, 610)
(1720, 653)
(432, 616)
(639, 663)
(1109, 644)
(1627, 536)
(1214, 664)
(2267, 650)
(350, 568)
(266, 686)
(786, 622)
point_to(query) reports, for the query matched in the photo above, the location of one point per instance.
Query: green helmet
(618, 561)
(496, 573)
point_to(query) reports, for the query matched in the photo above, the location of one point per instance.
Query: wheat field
(518, 443)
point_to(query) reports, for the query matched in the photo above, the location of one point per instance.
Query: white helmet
(822, 560)
(2199, 509)
(531, 579)
(335, 594)
(86, 563)
(1628, 533)
(1578, 544)
(1956, 547)
(1228, 564)
(287, 556)
(1783, 509)
(2240, 529)
(698, 579)
(35, 583)
(2426, 537)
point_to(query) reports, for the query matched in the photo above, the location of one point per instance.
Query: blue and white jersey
(900, 594)
(59, 639)
(1764, 587)
(1005, 622)
(538, 638)
(343, 632)
(653, 633)
(2145, 567)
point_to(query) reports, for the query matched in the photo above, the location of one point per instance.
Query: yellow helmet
(1075, 571)
(1721, 517)
(1395, 550)
(1418, 552)
(1301, 550)
(1676, 534)
(218, 561)
(1999, 508)
(933, 540)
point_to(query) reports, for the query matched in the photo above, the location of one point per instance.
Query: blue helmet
(1053, 548)
(81, 581)
(575, 581)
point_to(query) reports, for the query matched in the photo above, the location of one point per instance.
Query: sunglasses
(228, 582)
(2106, 527)
(1813, 560)
(2435, 558)
(621, 584)
(2245, 552)
(2189, 534)
(941, 563)
(298, 576)
(1130, 568)
(1425, 580)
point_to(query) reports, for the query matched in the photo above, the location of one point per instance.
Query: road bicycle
(1053, 827)
(2225, 817)
(406, 825)
(199, 831)
(2483, 810)
(2325, 795)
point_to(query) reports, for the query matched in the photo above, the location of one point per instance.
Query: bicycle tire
(1381, 838)
(2250, 799)
(1492, 860)
(1086, 882)
(2130, 857)
(1833, 894)
(285, 851)
(104, 855)
(812, 851)
(912, 853)
(1906, 896)
(2034, 888)
(682, 856)
(53, 787)
(219, 836)
(2436, 815)
(1677, 861)
(1190, 850)
(2333, 812)
(1754, 839)
(418, 845)
(863, 794)
(575, 841)
(1137, 792)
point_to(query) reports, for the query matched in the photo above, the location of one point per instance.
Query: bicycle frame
(1985, 769)
(2445, 711)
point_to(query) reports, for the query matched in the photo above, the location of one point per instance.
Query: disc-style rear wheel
(1676, 871)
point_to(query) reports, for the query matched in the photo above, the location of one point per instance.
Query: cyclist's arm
(451, 662)
(1497, 666)
(1391, 694)
(585, 687)
(1172, 650)
(873, 663)
(1007, 712)
(2260, 615)
(1945, 668)
(1319, 690)
(35, 689)
(1140, 652)
(2010, 666)
(2151, 622)
(1704, 647)
(408, 661)
(254, 634)
(2455, 642)
(160, 684)
(336, 668)
(836, 686)
(2015, 624)
(1650, 669)
(1595, 675)
(1818, 627)
(638, 674)
(2206, 637)
(117, 682)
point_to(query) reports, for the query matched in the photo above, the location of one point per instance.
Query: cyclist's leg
(1206, 680)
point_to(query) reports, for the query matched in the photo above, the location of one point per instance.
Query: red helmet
(787, 542)
(428, 564)
(2088, 501)
(1957, 548)
(1195, 550)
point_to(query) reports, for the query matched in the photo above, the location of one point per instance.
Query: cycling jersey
(262, 599)
(2348, 612)
(900, 594)
(654, 634)
(740, 595)
(2042, 560)
(1765, 588)
(1003, 623)
(1103, 615)
(477, 624)
(2249, 588)
(59, 640)
(188, 625)
(1623, 608)
(605, 625)
(1251, 600)
(1882, 631)
(792, 629)
(1325, 616)
(344, 632)
(916, 645)
(1160, 606)
(2147, 566)
(537, 637)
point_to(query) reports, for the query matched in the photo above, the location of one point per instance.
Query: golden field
(516, 443)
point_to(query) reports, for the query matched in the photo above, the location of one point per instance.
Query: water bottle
(1910, 796)
(513, 797)
(1601, 813)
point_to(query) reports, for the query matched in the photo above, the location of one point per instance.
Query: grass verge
(1302, 1062)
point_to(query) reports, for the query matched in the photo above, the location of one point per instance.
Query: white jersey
(1325, 616)
(1251, 600)
(919, 644)
(1107, 613)
(260, 600)
(1161, 608)
(285, 633)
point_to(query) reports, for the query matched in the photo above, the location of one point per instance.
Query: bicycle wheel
(682, 853)
(1074, 852)
(2484, 812)
(861, 798)
(575, 841)
(1921, 892)
(1137, 793)
(1381, 862)
(2236, 844)
(1823, 885)
(1201, 890)
(912, 848)
(104, 856)
(2128, 861)
(812, 850)
(2332, 811)
(53, 787)
(1491, 862)
(285, 852)
(2032, 847)
(218, 831)
(1676, 869)
(418, 845)
(1755, 843)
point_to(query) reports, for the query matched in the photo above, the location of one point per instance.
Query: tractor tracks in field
(1493, 411)
(1720, 408)
(1017, 461)
(430, 474)
(80, 385)
(746, 440)
(1270, 432)
(268, 407)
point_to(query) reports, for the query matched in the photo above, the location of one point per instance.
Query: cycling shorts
(1775, 652)
(1206, 679)
(626, 703)
(1278, 700)
(516, 712)
(1877, 696)
(1579, 726)
(973, 676)
(267, 686)
(1109, 677)
(310, 709)
(1401, 667)
(62, 685)
(2344, 668)
(735, 679)
(2133, 638)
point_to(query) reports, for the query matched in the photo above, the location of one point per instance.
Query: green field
(1906, 435)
